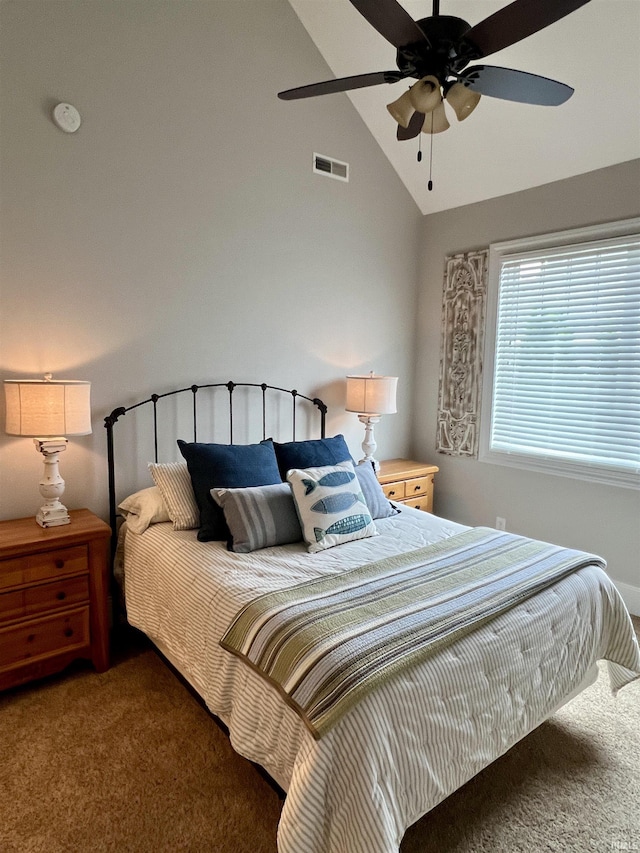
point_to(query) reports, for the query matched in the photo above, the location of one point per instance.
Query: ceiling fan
(437, 51)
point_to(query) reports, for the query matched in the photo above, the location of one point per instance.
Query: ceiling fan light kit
(425, 97)
(437, 50)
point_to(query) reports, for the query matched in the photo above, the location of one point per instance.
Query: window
(562, 365)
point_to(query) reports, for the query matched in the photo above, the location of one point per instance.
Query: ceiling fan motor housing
(443, 53)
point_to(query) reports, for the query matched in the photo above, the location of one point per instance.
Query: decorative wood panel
(463, 309)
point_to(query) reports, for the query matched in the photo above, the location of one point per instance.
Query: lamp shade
(402, 109)
(372, 394)
(425, 95)
(436, 121)
(47, 407)
(463, 100)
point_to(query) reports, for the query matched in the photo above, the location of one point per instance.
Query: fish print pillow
(330, 505)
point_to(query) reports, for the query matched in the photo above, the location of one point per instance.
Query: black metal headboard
(154, 399)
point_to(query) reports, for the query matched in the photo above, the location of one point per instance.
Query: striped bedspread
(328, 642)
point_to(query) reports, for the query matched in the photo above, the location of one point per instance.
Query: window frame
(557, 466)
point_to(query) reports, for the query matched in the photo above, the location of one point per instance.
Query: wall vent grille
(330, 168)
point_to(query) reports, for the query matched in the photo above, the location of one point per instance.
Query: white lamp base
(52, 516)
(369, 444)
(52, 513)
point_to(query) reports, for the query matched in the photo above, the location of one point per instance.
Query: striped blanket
(326, 643)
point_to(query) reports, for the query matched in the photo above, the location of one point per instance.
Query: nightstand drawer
(51, 596)
(36, 567)
(394, 491)
(33, 601)
(423, 503)
(418, 486)
(41, 637)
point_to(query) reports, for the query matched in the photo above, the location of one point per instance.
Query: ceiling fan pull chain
(430, 184)
(420, 148)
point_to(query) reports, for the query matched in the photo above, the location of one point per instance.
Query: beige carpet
(130, 761)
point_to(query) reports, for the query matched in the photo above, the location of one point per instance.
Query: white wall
(590, 516)
(180, 236)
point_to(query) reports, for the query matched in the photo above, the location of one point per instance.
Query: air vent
(330, 167)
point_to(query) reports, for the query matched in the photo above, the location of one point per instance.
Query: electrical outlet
(501, 523)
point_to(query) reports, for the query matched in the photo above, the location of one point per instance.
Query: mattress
(416, 739)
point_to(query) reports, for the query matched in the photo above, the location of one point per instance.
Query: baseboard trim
(630, 595)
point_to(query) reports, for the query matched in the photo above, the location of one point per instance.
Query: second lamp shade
(371, 394)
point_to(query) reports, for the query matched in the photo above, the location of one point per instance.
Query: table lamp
(48, 410)
(371, 396)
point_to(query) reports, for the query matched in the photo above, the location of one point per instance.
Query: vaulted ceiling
(503, 147)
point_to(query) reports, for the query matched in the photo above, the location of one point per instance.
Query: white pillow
(330, 505)
(174, 482)
(144, 508)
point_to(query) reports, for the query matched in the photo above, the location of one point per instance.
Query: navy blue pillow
(226, 466)
(311, 454)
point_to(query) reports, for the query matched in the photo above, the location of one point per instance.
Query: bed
(421, 733)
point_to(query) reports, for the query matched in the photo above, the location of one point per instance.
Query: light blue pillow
(379, 505)
(330, 505)
(259, 517)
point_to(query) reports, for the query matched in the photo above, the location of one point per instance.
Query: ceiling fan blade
(342, 84)
(391, 21)
(515, 22)
(512, 85)
(415, 126)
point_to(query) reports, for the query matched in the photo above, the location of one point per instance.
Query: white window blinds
(566, 375)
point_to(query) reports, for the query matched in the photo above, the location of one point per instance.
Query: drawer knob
(392, 492)
(31, 638)
(68, 632)
(416, 488)
(59, 564)
(61, 595)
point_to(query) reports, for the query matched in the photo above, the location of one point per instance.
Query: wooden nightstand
(53, 596)
(408, 482)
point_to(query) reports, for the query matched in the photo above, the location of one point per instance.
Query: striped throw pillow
(259, 516)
